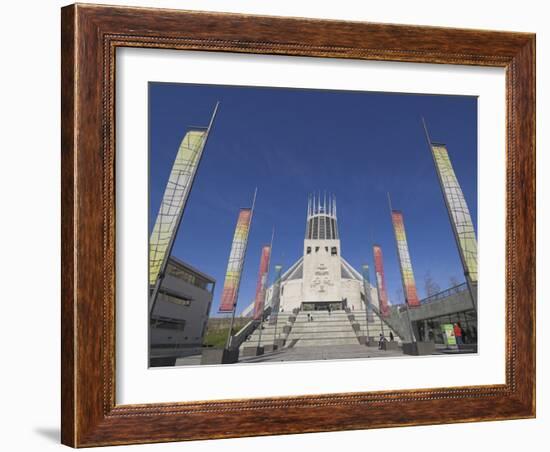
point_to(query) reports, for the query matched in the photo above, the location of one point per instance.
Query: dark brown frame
(90, 35)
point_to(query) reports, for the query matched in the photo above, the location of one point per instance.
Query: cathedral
(321, 278)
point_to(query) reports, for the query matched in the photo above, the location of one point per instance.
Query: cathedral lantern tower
(321, 261)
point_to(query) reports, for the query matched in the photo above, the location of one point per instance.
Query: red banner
(261, 286)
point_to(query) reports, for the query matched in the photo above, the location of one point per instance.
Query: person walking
(328, 308)
(458, 334)
(391, 336)
(381, 341)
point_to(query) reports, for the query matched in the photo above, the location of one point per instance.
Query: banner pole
(471, 289)
(366, 288)
(405, 294)
(264, 289)
(160, 277)
(230, 332)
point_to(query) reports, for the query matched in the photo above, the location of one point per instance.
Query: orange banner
(407, 275)
(235, 264)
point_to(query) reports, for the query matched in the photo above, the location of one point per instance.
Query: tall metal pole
(366, 288)
(266, 278)
(378, 291)
(230, 332)
(455, 233)
(277, 287)
(162, 270)
(413, 338)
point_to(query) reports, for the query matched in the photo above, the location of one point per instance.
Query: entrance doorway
(322, 305)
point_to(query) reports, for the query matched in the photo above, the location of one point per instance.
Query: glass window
(185, 275)
(176, 300)
(167, 323)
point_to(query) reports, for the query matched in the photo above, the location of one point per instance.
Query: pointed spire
(428, 139)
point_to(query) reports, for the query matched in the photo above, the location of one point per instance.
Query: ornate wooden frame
(90, 35)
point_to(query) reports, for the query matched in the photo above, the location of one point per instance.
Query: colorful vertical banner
(235, 263)
(261, 285)
(407, 275)
(276, 296)
(380, 281)
(459, 213)
(173, 201)
(366, 289)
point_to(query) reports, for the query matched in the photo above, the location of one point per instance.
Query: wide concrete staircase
(324, 329)
(269, 331)
(374, 328)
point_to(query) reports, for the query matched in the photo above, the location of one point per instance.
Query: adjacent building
(180, 316)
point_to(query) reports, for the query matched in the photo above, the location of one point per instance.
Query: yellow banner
(173, 201)
(458, 210)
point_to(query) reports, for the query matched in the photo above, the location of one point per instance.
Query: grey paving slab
(322, 353)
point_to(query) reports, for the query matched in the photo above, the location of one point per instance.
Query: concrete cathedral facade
(321, 278)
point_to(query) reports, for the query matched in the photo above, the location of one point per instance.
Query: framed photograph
(281, 225)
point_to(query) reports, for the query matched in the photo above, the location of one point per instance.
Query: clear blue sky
(291, 142)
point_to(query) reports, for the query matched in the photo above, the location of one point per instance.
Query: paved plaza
(320, 353)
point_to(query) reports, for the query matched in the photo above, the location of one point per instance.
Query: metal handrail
(438, 296)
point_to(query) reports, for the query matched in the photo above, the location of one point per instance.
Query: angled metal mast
(264, 289)
(234, 310)
(168, 252)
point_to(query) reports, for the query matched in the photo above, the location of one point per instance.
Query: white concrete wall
(351, 289)
(321, 271)
(291, 295)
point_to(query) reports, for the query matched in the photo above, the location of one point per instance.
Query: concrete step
(313, 335)
(325, 313)
(317, 320)
(321, 328)
(305, 313)
(325, 341)
(272, 328)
